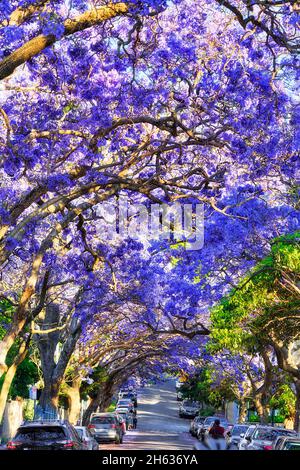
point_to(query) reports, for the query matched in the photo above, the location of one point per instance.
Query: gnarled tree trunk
(10, 374)
(242, 411)
(297, 407)
(73, 393)
(262, 409)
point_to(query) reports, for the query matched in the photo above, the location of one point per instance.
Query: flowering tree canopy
(186, 101)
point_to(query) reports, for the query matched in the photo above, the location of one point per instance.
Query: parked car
(188, 409)
(125, 403)
(195, 423)
(106, 427)
(122, 409)
(130, 395)
(244, 438)
(87, 438)
(286, 443)
(204, 428)
(126, 417)
(264, 436)
(46, 435)
(233, 436)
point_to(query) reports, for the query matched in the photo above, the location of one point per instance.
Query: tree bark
(47, 345)
(101, 401)
(262, 409)
(297, 407)
(104, 395)
(39, 43)
(242, 411)
(10, 374)
(73, 393)
(53, 372)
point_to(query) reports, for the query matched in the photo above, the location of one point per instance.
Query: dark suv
(46, 435)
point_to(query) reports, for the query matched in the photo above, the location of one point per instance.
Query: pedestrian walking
(134, 421)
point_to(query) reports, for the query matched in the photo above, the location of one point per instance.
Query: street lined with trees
(170, 104)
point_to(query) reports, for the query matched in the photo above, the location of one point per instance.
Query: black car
(46, 435)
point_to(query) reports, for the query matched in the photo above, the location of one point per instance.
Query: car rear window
(102, 420)
(291, 446)
(45, 433)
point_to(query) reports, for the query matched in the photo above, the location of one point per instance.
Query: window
(290, 445)
(103, 420)
(238, 430)
(80, 433)
(45, 433)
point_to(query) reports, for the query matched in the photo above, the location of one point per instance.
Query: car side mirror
(248, 438)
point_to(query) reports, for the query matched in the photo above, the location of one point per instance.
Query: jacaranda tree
(162, 101)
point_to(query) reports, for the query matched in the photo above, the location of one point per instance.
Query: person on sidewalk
(134, 421)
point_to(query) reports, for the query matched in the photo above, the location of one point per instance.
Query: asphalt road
(159, 426)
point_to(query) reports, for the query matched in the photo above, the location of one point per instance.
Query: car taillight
(113, 426)
(11, 445)
(91, 426)
(69, 444)
(268, 448)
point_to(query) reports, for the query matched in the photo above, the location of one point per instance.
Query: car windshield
(103, 420)
(209, 420)
(80, 432)
(290, 445)
(269, 434)
(238, 430)
(45, 433)
(124, 402)
(189, 403)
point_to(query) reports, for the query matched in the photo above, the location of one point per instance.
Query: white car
(233, 435)
(244, 438)
(122, 409)
(263, 436)
(125, 403)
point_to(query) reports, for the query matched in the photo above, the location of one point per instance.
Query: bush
(111, 407)
(28, 410)
(209, 411)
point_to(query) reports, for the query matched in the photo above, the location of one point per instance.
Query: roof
(45, 422)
